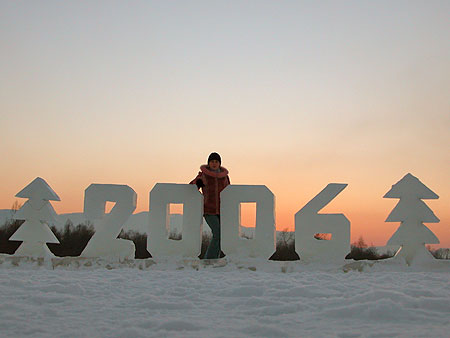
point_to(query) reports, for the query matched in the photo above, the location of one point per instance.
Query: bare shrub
(6, 231)
(322, 237)
(72, 239)
(175, 235)
(441, 253)
(360, 250)
(285, 247)
(206, 239)
(140, 242)
(16, 206)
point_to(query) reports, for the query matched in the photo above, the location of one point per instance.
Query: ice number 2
(108, 226)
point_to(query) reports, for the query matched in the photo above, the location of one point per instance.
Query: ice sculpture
(263, 243)
(105, 243)
(308, 223)
(158, 242)
(411, 211)
(36, 212)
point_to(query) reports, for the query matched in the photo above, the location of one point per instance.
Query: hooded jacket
(214, 183)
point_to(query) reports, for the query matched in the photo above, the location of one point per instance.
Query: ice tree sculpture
(412, 212)
(36, 212)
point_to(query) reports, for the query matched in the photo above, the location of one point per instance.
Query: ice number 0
(158, 243)
(263, 244)
(108, 226)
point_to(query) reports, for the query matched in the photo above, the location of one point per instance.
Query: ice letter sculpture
(34, 232)
(308, 223)
(411, 211)
(158, 242)
(104, 243)
(263, 243)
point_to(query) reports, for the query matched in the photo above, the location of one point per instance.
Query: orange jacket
(214, 183)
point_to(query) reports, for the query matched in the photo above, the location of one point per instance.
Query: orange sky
(361, 203)
(293, 95)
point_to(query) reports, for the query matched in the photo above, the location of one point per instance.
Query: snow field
(219, 302)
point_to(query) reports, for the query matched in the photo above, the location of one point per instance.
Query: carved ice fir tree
(412, 212)
(36, 212)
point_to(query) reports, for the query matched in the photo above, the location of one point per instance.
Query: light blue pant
(213, 250)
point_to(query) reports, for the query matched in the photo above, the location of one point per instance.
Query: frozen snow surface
(249, 298)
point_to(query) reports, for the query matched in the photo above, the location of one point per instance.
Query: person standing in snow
(212, 179)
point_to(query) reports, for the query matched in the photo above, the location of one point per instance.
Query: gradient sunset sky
(293, 94)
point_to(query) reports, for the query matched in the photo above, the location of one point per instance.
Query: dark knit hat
(214, 156)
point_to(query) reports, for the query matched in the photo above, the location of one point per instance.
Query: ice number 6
(308, 223)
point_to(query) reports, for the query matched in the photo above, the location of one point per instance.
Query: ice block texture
(36, 212)
(309, 222)
(411, 211)
(105, 243)
(263, 243)
(158, 242)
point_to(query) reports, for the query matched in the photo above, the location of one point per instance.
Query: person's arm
(198, 181)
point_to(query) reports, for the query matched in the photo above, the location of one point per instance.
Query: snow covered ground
(235, 300)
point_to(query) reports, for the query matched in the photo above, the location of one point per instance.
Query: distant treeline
(73, 239)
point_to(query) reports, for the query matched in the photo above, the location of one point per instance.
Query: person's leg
(213, 250)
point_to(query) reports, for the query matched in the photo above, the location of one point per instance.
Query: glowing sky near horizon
(292, 94)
